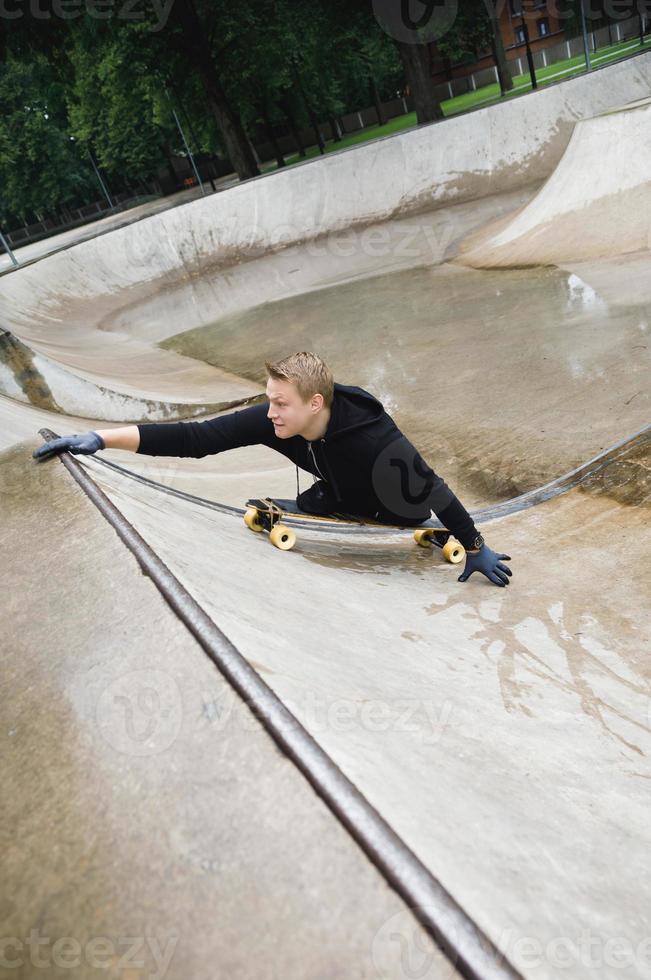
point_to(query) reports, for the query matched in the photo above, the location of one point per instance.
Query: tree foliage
(112, 84)
(40, 168)
(116, 102)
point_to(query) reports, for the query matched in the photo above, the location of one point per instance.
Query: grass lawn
(470, 100)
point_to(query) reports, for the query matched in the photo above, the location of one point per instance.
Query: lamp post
(586, 46)
(180, 129)
(188, 150)
(532, 67)
(97, 174)
(185, 142)
(99, 178)
(5, 244)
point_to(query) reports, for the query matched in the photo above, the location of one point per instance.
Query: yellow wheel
(423, 538)
(454, 552)
(252, 520)
(282, 537)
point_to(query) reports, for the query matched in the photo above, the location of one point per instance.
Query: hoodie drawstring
(298, 488)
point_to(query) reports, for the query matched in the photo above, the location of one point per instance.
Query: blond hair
(308, 372)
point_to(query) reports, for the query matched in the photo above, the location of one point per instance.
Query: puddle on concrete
(378, 559)
(564, 649)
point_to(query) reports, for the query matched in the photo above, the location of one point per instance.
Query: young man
(360, 461)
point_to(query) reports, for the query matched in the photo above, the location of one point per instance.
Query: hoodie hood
(351, 408)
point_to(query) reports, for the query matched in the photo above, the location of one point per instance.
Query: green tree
(40, 169)
(192, 37)
(115, 101)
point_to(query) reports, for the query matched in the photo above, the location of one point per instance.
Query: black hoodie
(367, 466)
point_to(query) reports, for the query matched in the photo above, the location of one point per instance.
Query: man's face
(289, 413)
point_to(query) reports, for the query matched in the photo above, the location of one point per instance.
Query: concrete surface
(503, 718)
(146, 816)
(26, 376)
(504, 734)
(64, 239)
(595, 204)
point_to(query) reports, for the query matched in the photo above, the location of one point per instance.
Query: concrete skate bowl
(528, 778)
(76, 316)
(596, 204)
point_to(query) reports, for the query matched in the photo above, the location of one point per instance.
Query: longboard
(269, 513)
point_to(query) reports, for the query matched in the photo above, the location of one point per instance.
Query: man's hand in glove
(489, 563)
(87, 443)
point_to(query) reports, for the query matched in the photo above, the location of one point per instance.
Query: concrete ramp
(596, 203)
(31, 378)
(504, 735)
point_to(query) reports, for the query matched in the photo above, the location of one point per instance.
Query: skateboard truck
(265, 515)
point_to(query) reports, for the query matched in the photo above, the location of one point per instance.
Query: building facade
(539, 17)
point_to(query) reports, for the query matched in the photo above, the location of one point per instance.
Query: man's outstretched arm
(245, 427)
(122, 437)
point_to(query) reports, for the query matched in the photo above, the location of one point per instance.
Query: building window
(519, 35)
(543, 27)
(516, 8)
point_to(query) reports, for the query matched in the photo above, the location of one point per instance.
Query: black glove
(87, 443)
(489, 563)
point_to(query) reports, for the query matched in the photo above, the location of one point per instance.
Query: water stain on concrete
(20, 360)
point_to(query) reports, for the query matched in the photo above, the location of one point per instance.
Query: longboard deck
(290, 511)
(276, 515)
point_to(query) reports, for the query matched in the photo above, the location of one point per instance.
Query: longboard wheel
(282, 537)
(252, 519)
(454, 552)
(423, 538)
